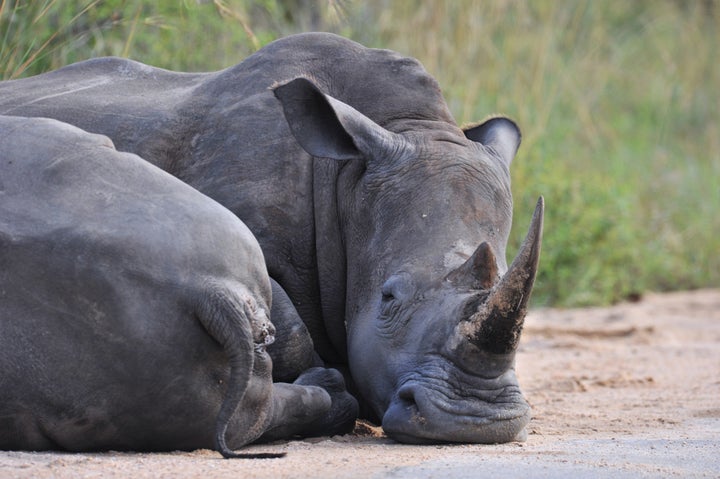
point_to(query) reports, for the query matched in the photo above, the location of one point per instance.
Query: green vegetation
(619, 103)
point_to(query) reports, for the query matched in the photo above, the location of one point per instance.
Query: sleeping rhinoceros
(133, 309)
(384, 222)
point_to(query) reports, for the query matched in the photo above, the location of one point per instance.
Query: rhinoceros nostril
(407, 395)
(407, 398)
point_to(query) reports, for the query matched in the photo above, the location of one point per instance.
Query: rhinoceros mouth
(418, 415)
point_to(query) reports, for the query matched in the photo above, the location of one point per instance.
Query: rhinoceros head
(433, 313)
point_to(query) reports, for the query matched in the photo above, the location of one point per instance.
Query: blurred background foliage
(619, 103)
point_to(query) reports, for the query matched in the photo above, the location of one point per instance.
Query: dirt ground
(627, 391)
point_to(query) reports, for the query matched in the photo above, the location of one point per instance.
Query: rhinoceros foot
(340, 418)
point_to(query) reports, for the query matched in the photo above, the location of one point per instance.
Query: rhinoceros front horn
(496, 324)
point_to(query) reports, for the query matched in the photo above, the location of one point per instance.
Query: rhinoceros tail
(225, 317)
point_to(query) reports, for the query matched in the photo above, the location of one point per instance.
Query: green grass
(182, 35)
(620, 108)
(619, 103)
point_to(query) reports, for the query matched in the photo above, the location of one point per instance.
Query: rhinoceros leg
(293, 351)
(316, 404)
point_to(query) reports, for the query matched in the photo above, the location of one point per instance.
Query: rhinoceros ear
(500, 133)
(328, 128)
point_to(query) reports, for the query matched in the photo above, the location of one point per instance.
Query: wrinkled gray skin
(133, 309)
(384, 222)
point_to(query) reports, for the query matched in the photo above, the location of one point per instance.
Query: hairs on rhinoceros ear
(328, 128)
(500, 134)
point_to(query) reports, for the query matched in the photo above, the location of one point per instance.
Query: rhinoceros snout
(418, 415)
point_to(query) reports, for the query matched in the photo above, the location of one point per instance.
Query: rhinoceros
(133, 309)
(384, 222)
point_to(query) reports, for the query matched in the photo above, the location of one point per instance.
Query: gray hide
(384, 222)
(133, 309)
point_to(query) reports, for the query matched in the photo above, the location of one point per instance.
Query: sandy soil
(627, 391)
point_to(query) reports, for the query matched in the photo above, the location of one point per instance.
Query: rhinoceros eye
(395, 293)
(397, 287)
(387, 293)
